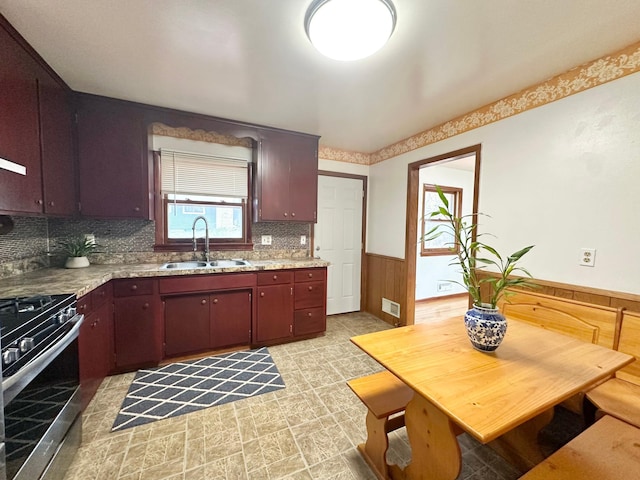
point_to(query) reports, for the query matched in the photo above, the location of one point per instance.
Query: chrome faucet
(206, 237)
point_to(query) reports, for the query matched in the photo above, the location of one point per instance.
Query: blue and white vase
(486, 327)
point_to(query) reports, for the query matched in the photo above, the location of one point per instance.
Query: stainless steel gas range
(40, 386)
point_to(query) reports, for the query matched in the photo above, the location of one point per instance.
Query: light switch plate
(266, 239)
(303, 239)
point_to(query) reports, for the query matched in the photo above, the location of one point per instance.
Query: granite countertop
(81, 281)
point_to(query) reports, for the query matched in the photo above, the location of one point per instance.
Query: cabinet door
(137, 341)
(272, 178)
(186, 324)
(94, 350)
(230, 318)
(303, 179)
(19, 134)
(274, 312)
(57, 151)
(112, 159)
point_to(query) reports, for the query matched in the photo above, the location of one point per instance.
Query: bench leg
(374, 450)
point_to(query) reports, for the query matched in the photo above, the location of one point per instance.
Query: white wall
(562, 176)
(433, 269)
(342, 167)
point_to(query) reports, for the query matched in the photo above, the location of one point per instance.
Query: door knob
(317, 248)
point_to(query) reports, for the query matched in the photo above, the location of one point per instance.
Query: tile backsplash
(35, 242)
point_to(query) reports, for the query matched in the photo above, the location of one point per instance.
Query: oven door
(42, 409)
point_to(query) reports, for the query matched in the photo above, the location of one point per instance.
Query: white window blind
(185, 173)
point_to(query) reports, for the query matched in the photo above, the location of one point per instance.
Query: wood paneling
(597, 296)
(385, 277)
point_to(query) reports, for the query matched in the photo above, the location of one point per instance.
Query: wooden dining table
(504, 397)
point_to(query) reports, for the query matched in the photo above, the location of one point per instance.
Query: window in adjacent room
(196, 185)
(446, 243)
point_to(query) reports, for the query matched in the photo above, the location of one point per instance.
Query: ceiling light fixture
(349, 29)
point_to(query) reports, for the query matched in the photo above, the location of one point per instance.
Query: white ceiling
(250, 60)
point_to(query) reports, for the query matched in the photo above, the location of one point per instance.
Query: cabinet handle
(285, 214)
(293, 214)
(203, 302)
(309, 314)
(39, 202)
(310, 288)
(134, 288)
(262, 294)
(311, 275)
(145, 306)
(136, 209)
(275, 277)
(215, 300)
(51, 204)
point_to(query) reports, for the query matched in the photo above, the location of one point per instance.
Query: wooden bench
(620, 396)
(384, 395)
(608, 450)
(588, 322)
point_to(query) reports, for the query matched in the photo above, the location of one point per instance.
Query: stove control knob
(10, 355)
(26, 344)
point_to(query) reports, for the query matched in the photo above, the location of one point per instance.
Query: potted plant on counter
(77, 249)
(485, 325)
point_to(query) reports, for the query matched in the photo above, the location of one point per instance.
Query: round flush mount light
(349, 29)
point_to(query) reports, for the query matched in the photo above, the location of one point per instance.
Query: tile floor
(309, 430)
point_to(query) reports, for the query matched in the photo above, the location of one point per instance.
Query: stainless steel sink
(199, 265)
(228, 263)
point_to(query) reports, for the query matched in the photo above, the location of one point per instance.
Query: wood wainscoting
(384, 277)
(597, 296)
(387, 277)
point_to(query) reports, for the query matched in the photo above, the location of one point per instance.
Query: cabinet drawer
(84, 304)
(275, 277)
(100, 295)
(134, 286)
(204, 283)
(310, 320)
(309, 275)
(307, 295)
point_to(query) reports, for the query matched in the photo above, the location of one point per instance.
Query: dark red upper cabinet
(35, 132)
(115, 177)
(19, 129)
(286, 181)
(58, 174)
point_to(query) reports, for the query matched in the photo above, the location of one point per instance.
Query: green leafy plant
(475, 256)
(78, 247)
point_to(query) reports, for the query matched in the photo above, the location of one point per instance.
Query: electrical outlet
(588, 257)
(303, 239)
(266, 239)
(90, 237)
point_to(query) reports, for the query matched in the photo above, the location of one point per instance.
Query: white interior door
(338, 240)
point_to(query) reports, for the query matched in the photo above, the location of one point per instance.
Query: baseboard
(443, 297)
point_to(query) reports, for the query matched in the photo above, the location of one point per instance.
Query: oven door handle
(14, 384)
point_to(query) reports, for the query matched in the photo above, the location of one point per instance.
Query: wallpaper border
(591, 74)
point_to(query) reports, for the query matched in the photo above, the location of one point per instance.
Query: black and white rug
(185, 387)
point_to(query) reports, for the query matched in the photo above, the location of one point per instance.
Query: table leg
(520, 446)
(435, 453)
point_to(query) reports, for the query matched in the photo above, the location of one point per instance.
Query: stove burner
(24, 304)
(29, 325)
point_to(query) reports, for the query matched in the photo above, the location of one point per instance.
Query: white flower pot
(76, 262)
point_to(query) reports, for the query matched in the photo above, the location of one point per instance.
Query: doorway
(338, 238)
(429, 276)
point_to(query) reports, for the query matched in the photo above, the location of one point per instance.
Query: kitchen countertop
(81, 281)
